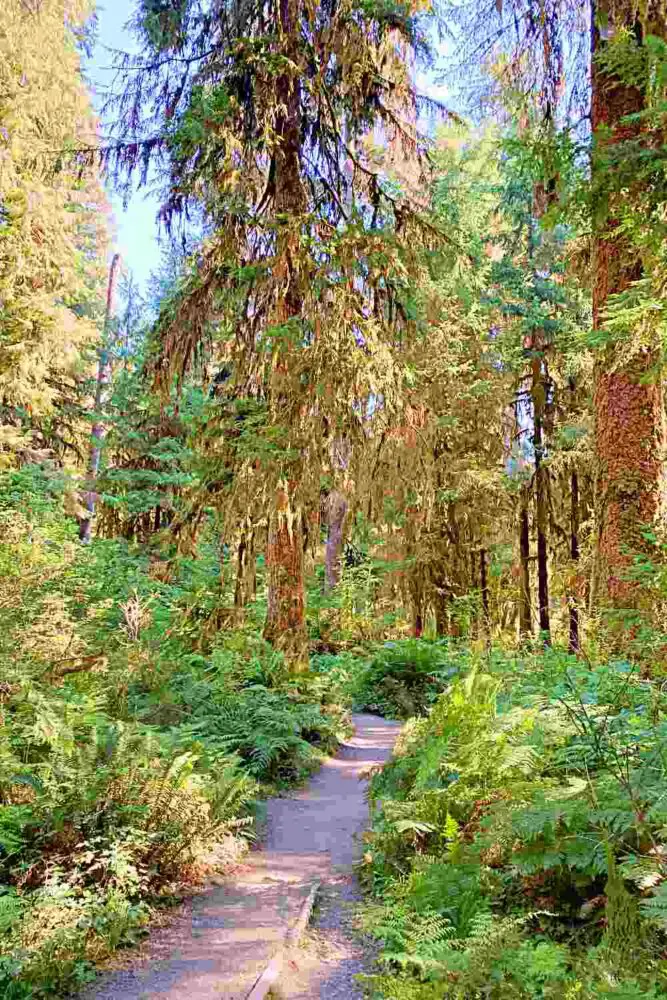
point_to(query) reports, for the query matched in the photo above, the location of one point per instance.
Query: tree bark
(246, 576)
(285, 620)
(574, 644)
(484, 589)
(97, 433)
(525, 613)
(285, 626)
(418, 625)
(336, 511)
(538, 394)
(628, 401)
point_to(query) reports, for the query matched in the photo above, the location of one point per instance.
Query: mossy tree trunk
(246, 577)
(336, 512)
(484, 590)
(629, 431)
(285, 626)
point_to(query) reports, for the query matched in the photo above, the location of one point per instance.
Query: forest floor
(222, 939)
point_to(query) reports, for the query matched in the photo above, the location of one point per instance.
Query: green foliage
(526, 811)
(278, 736)
(129, 746)
(54, 228)
(407, 330)
(404, 678)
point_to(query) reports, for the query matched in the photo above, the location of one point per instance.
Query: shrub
(133, 730)
(278, 737)
(404, 678)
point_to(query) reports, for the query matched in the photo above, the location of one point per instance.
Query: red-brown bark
(285, 626)
(630, 435)
(285, 620)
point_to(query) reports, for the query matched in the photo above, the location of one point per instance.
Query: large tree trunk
(285, 620)
(285, 624)
(97, 433)
(629, 431)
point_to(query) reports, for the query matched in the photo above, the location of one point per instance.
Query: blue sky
(136, 227)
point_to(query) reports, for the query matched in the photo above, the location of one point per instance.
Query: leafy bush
(278, 737)
(101, 815)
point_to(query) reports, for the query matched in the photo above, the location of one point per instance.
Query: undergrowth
(518, 846)
(136, 734)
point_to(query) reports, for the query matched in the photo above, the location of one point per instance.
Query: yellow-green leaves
(53, 214)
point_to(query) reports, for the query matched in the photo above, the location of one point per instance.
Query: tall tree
(101, 388)
(263, 112)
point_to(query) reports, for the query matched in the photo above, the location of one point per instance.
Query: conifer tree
(264, 114)
(101, 386)
(547, 54)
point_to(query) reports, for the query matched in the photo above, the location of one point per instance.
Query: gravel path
(331, 954)
(219, 944)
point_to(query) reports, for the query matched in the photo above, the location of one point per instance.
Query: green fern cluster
(527, 812)
(404, 678)
(97, 817)
(279, 737)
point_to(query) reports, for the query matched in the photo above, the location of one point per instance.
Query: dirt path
(222, 940)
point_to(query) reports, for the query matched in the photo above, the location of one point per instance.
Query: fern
(266, 730)
(654, 907)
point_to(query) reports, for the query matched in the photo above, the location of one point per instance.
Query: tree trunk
(97, 433)
(629, 420)
(285, 620)
(336, 512)
(246, 577)
(525, 614)
(441, 607)
(538, 393)
(418, 625)
(574, 644)
(285, 624)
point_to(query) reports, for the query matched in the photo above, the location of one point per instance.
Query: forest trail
(224, 938)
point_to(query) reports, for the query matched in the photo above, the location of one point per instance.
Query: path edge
(293, 935)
